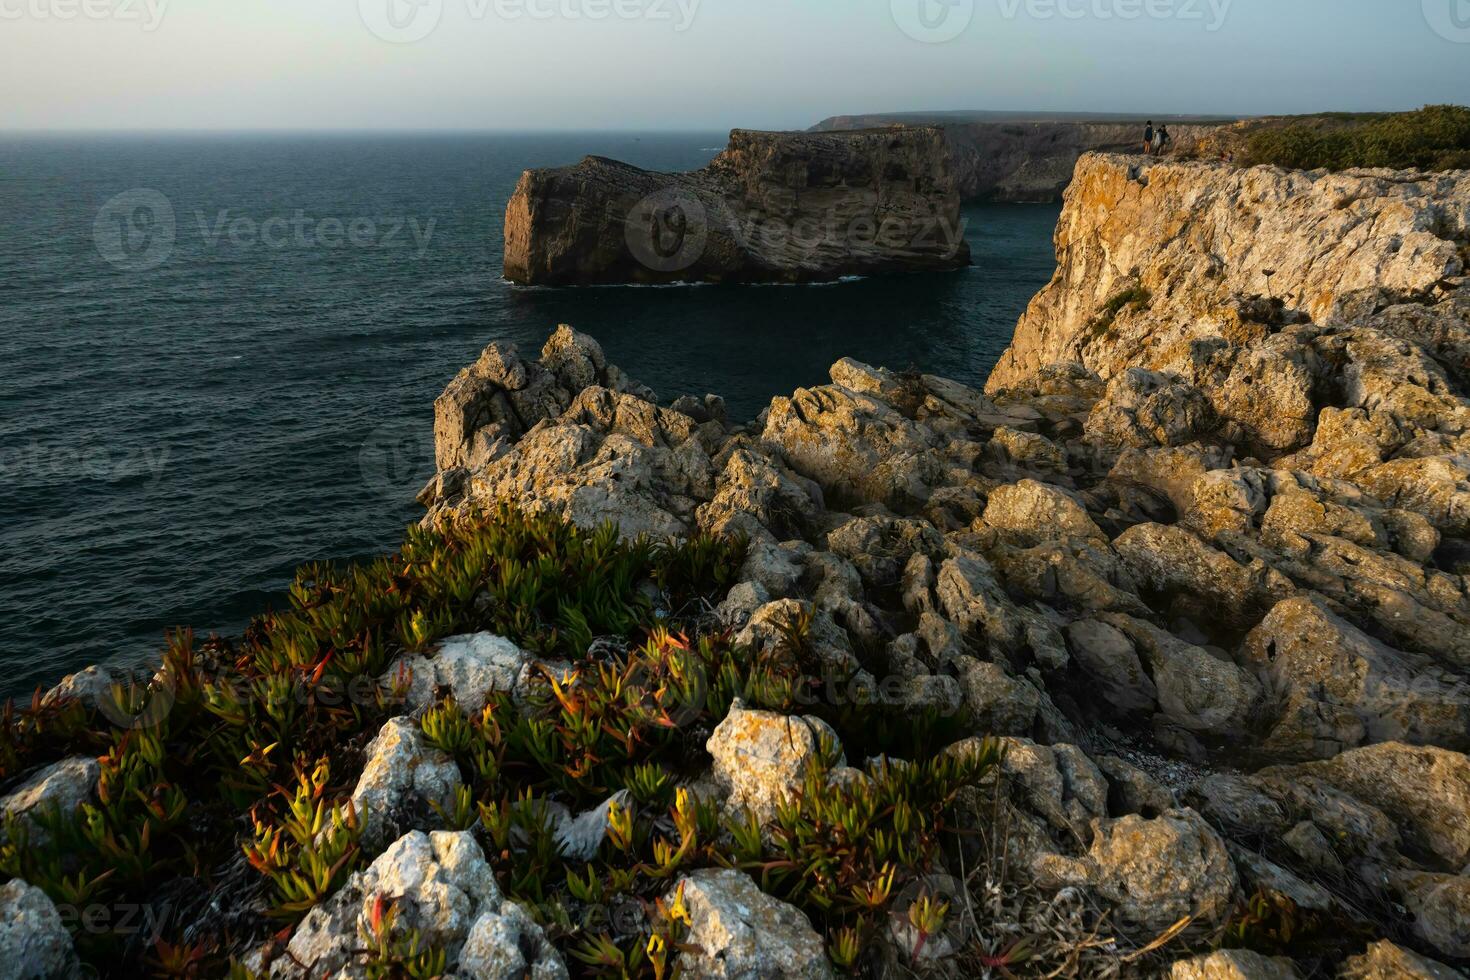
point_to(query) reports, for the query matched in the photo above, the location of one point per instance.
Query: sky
(706, 64)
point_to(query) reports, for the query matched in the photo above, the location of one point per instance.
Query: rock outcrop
(1204, 566)
(773, 207)
(1192, 269)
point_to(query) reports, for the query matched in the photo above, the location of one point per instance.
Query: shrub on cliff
(1435, 137)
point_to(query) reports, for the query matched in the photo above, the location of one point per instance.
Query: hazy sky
(681, 64)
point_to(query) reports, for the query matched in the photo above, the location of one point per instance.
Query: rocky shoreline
(1196, 558)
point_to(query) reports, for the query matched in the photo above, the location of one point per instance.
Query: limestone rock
(1440, 905)
(1323, 235)
(1386, 961)
(402, 775)
(1233, 964)
(62, 786)
(470, 668)
(773, 207)
(1155, 872)
(1029, 513)
(1338, 687)
(761, 758)
(34, 945)
(443, 888)
(738, 931)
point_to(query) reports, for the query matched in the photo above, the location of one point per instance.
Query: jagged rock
(1386, 961)
(1171, 560)
(757, 496)
(881, 547)
(62, 786)
(1155, 872)
(1131, 790)
(1238, 804)
(1057, 783)
(1338, 687)
(827, 641)
(1323, 235)
(741, 603)
(1196, 690)
(470, 668)
(1307, 842)
(1440, 905)
(773, 207)
(996, 701)
(760, 757)
(88, 686)
(1147, 408)
(1234, 964)
(1111, 661)
(1028, 513)
(402, 776)
(1418, 791)
(442, 887)
(855, 445)
(1258, 872)
(738, 931)
(34, 945)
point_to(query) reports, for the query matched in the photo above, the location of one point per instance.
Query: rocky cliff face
(1028, 161)
(773, 207)
(1201, 556)
(1187, 250)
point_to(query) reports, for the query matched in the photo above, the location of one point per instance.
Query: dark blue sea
(186, 417)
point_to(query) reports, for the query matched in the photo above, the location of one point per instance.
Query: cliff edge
(773, 207)
(1152, 254)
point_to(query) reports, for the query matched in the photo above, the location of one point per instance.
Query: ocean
(193, 406)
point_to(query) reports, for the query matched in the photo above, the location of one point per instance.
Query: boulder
(469, 668)
(402, 775)
(738, 932)
(1233, 964)
(34, 944)
(1384, 960)
(442, 887)
(1029, 513)
(61, 787)
(1155, 872)
(760, 757)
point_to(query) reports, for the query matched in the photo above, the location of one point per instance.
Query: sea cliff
(1025, 159)
(773, 207)
(1155, 655)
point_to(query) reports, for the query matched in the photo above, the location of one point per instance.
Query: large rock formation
(773, 207)
(1026, 159)
(1153, 254)
(1208, 576)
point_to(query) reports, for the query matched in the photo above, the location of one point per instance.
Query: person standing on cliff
(1161, 140)
(1148, 138)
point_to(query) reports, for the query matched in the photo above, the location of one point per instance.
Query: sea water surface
(186, 417)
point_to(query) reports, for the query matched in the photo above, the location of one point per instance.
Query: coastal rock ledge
(773, 207)
(1201, 557)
